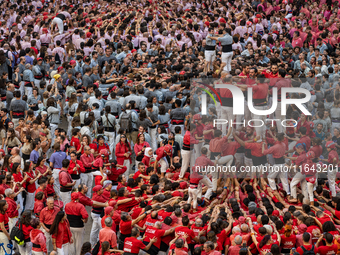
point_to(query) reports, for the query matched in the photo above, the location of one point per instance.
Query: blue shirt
(29, 60)
(34, 156)
(57, 159)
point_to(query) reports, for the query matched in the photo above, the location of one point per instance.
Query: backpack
(306, 252)
(17, 235)
(126, 121)
(96, 249)
(329, 47)
(57, 59)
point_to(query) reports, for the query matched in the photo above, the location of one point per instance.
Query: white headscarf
(146, 152)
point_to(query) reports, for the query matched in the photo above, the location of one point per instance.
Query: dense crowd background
(101, 107)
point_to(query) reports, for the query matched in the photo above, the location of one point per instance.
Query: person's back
(306, 247)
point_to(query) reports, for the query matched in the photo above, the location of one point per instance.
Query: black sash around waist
(61, 16)
(227, 48)
(210, 48)
(257, 161)
(36, 245)
(227, 101)
(75, 221)
(75, 176)
(279, 160)
(260, 102)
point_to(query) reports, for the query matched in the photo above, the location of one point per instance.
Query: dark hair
(54, 228)
(265, 239)
(26, 218)
(85, 248)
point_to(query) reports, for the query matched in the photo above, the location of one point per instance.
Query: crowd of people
(102, 110)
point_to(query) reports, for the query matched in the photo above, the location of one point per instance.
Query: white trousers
(78, 238)
(226, 160)
(164, 164)
(226, 58)
(96, 227)
(25, 249)
(12, 222)
(20, 201)
(127, 164)
(310, 189)
(260, 130)
(29, 201)
(56, 184)
(28, 91)
(206, 181)
(63, 250)
(193, 194)
(298, 178)
(111, 136)
(65, 197)
(331, 180)
(277, 172)
(49, 246)
(185, 162)
(226, 114)
(153, 136)
(87, 179)
(60, 24)
(53, 128)
(209, 55)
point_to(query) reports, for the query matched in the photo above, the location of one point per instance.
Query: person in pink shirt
(297, 41)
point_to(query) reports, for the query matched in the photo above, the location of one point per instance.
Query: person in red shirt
(30, 184)
(75, 168)
(209, 248)
(12, 210)
(96, 213)
(99, 167)
(87, 159)
(42, 182)
(38, 204)
(47, 216)
(108, 214)
(288, 239)
(37, 237)
(299, 177)
(106, 234)
(162, 153)
(132, 245)
(333, 159)
(278, 151)
(77, 216)
(155, 232)
(61, 233)
(86, 201)
(75, 140)
(25, 224)
(306, 245)
(123, 153)
(4, 228)
(185, 230)
(114, 171)
(66, 182)
(329, 248)
(126, 226)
